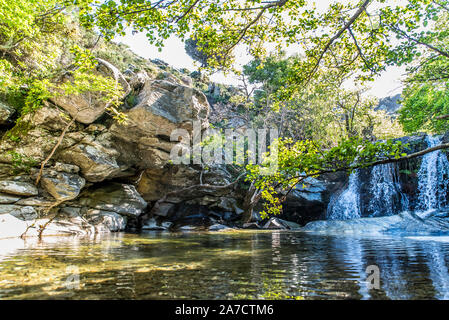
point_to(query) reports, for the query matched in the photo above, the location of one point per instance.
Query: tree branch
(354, 17)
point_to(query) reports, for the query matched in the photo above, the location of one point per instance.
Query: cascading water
(385, 191)
(347, 205)
(433, 178)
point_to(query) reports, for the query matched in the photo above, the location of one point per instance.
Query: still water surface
(226, 265)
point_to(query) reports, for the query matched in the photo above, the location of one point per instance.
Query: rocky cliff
(107, 176)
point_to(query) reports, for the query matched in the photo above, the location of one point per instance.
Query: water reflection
(272, 265)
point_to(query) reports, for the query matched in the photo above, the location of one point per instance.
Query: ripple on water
(272, 265)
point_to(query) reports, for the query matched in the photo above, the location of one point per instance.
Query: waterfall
(382, 194)
(347, 205)
(433, 178)
(385, 191)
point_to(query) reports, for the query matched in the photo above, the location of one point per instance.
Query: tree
(426, 95)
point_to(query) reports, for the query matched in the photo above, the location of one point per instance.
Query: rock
(162, 107)
(23, 213)
(116, 197)
(18, 188)
(6, 113)
(106, 220)
(49, 117)
(188, 228)
(65, 167)
(6, 198)
(152, 224)
(276, 223)
(229, 204)
(89, 106)
(35, 202)
(251, 225)
(70, 211)
(63, 186)
(97, 162)
(155, 182)
(219, 227)
(164, 209)
(138, 80)
(308, 201)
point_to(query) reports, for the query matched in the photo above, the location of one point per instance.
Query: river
(224, 265)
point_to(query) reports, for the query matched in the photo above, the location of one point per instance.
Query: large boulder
(88, 107)
(115, 197)
(161, 108)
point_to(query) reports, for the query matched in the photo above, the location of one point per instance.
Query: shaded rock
(116, 197)
(308, 201)
(65, 167)
(70, 211)
(63, 186)
(18, 188)
(20, 212)
(164, 209)
(6, 113)
(6, 198)
(106, 220)
(251, 225)
(89, 106)
(229, 204)
(155, 183)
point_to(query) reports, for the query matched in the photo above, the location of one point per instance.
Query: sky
(174, 54)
